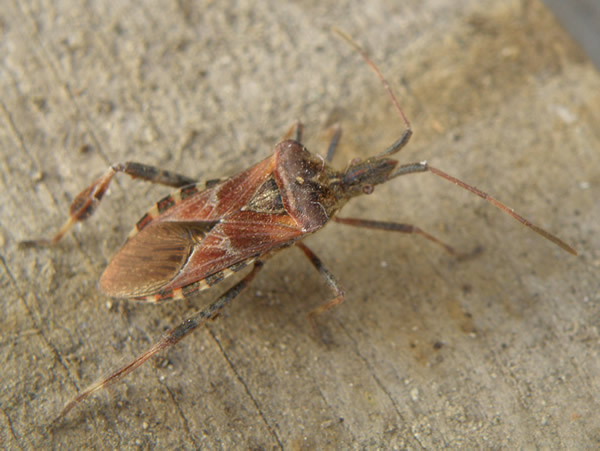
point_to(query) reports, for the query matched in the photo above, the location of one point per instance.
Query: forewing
(151, 258)
(187, 237)
(202, 235)
(234, 239)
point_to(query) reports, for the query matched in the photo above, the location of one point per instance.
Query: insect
(195, 237)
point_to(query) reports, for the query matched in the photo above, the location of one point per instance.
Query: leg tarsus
(87, 201)
(396, 227)
(331, 281)
(172, 337)
(82, 207)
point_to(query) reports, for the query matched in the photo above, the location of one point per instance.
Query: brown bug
(194, 238)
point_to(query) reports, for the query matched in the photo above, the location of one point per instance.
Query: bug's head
(361, 176)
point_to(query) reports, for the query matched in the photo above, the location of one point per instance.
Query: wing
(170, 255)
(237, 238)
(150, 258)
(187, 238)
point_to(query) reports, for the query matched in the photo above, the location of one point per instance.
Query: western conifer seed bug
(195, 237)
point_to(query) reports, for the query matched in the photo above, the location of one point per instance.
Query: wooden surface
(499, 351)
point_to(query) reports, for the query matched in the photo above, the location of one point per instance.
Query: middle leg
(331, 281)
(394, 227)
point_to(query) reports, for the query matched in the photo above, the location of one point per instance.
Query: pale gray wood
(500, 351)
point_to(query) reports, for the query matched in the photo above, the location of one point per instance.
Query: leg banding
(171, 338)
(331, 281)
(86, 202)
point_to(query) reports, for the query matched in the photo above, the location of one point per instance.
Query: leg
(331, 281)
(172, 337)
(394, 227)
(335, 139)
(297, 127)
(87, 201)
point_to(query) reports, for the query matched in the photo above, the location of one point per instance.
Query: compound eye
(368, 189)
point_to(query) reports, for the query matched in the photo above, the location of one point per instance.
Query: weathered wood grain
(499, 351)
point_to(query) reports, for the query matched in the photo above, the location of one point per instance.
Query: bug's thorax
(305, 184)
(312, 191)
